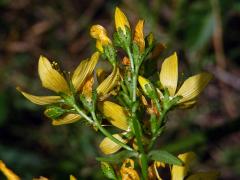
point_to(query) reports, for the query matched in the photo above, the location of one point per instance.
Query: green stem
(136, 125)
(107, 134)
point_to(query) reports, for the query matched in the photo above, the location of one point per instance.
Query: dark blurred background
(205, 33)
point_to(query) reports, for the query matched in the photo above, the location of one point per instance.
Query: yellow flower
(118, 117)
(139, 35)
(127, 170)
(53, 80)
(180, 172)
(190, 89)
(10, 175)
(100, 34)
(121, 20)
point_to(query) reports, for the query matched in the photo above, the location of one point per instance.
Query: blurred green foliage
(31, 146)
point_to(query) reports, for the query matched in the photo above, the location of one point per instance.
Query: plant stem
(107, 134)
(103, 130)
(136, 125)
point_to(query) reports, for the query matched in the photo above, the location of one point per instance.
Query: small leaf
(117, 157)
(165, 157)
(108, 170)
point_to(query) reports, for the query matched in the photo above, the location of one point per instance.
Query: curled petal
(121, 20)
(8, 172)
(179, 172)
(99, 46)
(107, 146)
(115, 114)
(193, 86)
(169, 74)
(139, 35)
(84, 69)
(213, 175)
(109, 83)
(127, 170)
(98, 32)
(40, 100)
(51, 78)
(67, 119)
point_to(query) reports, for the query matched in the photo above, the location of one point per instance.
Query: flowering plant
(130, 98)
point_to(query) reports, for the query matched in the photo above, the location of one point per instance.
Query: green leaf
(164, 156)
(118, 157)
(108, 170)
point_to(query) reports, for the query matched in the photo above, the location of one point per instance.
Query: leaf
(118, 157)
(164, 156)
(108, 170)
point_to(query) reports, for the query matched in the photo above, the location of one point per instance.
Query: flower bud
(121, 20)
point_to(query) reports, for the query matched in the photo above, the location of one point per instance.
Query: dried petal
(139, 35)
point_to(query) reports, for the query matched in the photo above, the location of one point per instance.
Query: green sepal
(153, 123)
(149, 39)
(54, 112)
(110, 54)
(108, 170)
(86, 103)
(136, 53)
(165, 157)
(68, 99)
(150, 91)
(123, 39)
(118, 157)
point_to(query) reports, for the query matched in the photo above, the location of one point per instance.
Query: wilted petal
(121, 20)
(193, 86)
(50, 77)
(109, 83)
(107, 146)
(84, 69)
(10, 175)
(169, 74)
(179, 172)
(127, 170)
(204, 175)
(99, 32)
(40, 100)
(115, 114)
(67, 119)
(139, 35)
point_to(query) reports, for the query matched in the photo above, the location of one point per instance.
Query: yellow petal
(40, 100)
(188, 104)
(67, 119)
(179, 172)
(72, 177)
(107, 146)
(109, 83)
(139, 35)
(193, 86)
(101, 74)
(121, 20)
(10, 175)
(99, 46)
(115, 114)
(51, 78)
(127, 170)
(169, 74)
(98, 32)
(84, 69)
(204, 175)
(88, 88)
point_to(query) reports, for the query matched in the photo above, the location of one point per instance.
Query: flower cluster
(131, 98)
